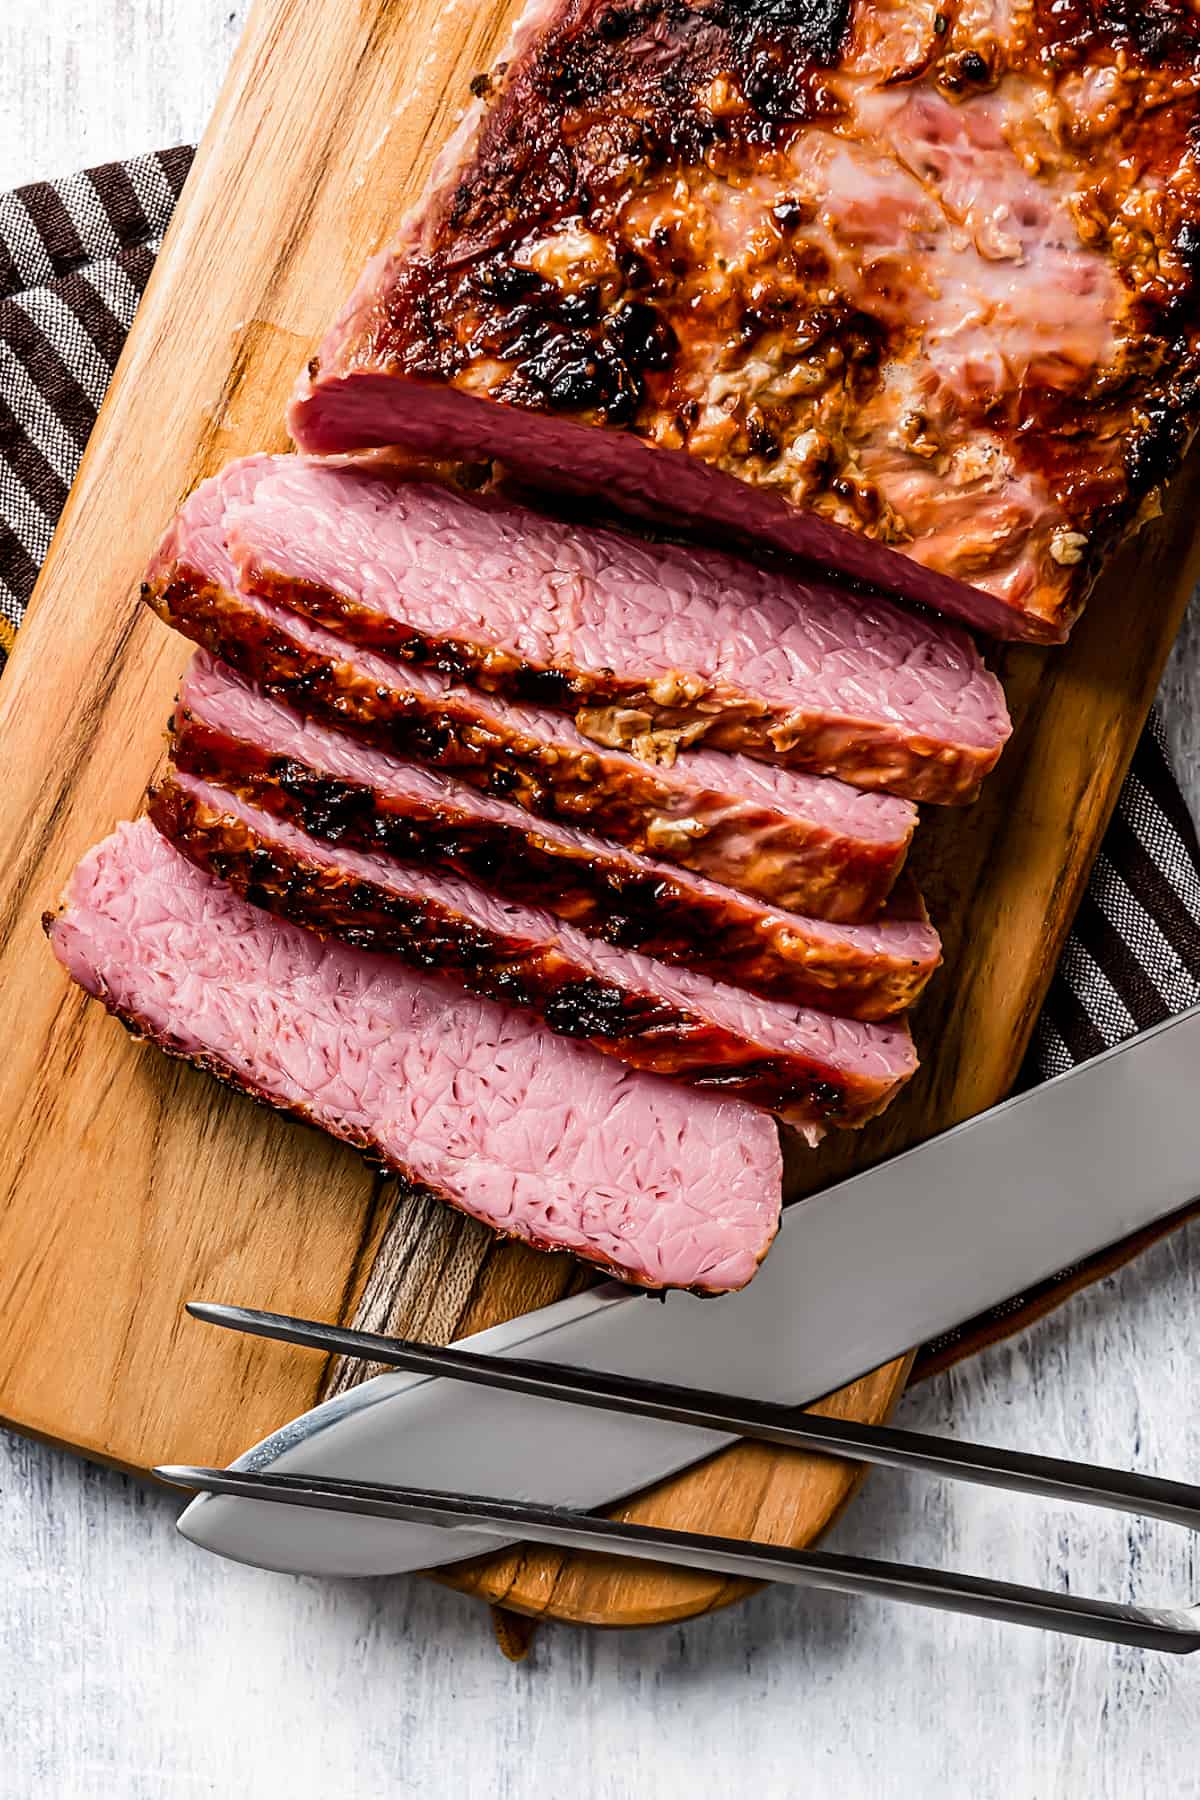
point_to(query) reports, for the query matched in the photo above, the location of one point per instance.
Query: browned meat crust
(927, 268)
(635, 907)
(645, 1029)
(679, 710)
(628, 802)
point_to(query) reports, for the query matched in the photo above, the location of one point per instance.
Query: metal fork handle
(766, 1422)
(1007, 1602)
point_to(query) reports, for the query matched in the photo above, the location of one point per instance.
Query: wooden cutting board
(127, 1183)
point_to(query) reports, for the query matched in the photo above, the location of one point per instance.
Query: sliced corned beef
(353, 397)
(813, 845)
(482, 1106)
(651, 646)
(337, 788)
(812, 1068)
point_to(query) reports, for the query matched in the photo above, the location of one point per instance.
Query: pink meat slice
(809, 844)
(657, 642)
(231, 733)
(535, 1135)
(352, 400)
(811, 1067)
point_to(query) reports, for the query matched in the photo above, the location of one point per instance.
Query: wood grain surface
(129, 1184)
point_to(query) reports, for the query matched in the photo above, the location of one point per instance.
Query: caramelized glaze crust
(809, 848)
(922, 268)
(336, 789)
(814, 1069)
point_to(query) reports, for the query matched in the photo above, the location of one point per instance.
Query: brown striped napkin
(75, 256)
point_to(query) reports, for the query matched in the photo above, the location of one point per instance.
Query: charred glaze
(728, 228)
(857, 732)
(588, 883)
(647, 1030)
(809, 867)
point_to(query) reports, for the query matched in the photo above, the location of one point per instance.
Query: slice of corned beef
(482, 1106)
(809, 844)
(234, 735)
(908, 289)
(810, 1067)
(652, 646)
(805, 843)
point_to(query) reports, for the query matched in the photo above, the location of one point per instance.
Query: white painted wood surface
(132, 1667)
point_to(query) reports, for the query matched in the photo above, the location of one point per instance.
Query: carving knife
(860, 1273)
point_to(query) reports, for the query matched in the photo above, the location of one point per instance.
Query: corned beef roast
(480, 1105)
(337, 788)
(812, 845)
(814, 1069)
(651, 646)
(852, 279)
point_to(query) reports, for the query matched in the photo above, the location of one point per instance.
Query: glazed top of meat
(927, 267)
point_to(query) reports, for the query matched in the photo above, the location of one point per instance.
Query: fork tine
(1176, 1632)
(790, 1427)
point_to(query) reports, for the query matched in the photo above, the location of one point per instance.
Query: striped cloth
(75, 257)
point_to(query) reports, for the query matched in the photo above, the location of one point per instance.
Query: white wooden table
(134, 1668)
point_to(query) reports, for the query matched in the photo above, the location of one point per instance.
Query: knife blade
(860, 1273)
